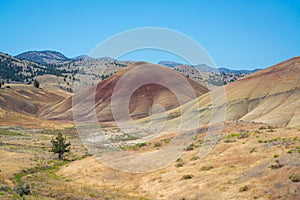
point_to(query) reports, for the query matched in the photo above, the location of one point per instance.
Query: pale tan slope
(138, 103)
(270, 96)
(27, 99)
(233, 165)
(20, 104)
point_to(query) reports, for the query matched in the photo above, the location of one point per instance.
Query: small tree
(23, 190)
(60, 146)
(36, 84)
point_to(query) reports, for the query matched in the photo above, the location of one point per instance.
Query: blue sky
(237, 34)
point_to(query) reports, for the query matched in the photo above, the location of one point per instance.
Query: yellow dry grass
(244, 162)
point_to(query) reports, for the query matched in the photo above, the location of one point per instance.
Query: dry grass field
(250, 161)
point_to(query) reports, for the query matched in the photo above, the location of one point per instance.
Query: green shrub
(92, 195)
(232, 135)
(179, 165)
(275, 155)
(253, 150)
(190, 147)
(289, 151)
(244, 188)
(206, 168)
(294, 177)
(229, 140)
(157, 145)
(5, 189)
(23, 190)
(262, 128)
(243, 135)
(167, 141)
(135, 146)
(277, 165)
(194, 158)
(187, 176)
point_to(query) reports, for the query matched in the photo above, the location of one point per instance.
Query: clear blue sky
(237, 34)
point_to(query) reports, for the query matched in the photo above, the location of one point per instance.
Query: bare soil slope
(270, 96)
(26, 99)
(20, 104)
(138, 102)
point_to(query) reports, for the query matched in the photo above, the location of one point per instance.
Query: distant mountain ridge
(83, 57)
(169, 63)
(49, 57)
(43, 57)
(206, 68)
(237, 71)
(15, 69)
(203, 73)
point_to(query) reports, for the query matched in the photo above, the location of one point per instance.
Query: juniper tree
(60, 146)
(36, 84)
